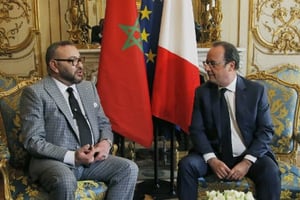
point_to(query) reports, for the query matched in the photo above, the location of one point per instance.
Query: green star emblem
(133, 35)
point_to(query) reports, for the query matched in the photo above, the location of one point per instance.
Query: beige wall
(243, 24)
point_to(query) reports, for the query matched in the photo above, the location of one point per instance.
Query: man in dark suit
(97, 32)
(52, 131)
(250, 130)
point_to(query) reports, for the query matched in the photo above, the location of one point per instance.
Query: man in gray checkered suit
(51, 132)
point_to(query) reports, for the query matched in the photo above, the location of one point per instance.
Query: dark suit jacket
(252, 114)
(95, 34)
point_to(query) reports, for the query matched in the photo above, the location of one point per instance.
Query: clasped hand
(224, 172)
(88, 154)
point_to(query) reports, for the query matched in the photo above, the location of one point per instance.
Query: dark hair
(51, 50)
(231, 52)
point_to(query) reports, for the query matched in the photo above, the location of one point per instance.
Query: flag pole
(163, 188)
(158, 188)
(172, 191)
(156, 153)
(172, 167)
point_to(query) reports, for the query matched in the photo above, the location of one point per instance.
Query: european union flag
(150, 18)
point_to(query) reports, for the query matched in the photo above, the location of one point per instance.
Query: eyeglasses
(212, 63)
(73, 60)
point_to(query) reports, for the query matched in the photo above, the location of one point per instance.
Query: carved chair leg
(5, 182)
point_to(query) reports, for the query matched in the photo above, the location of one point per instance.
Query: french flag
(177, 73)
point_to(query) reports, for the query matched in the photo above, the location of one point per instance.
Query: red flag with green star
(122, 80)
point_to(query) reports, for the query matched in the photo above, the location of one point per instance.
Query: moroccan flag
(122, 80)
(176, 73)
(150, 17)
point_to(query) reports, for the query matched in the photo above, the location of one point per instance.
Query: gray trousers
(60, 180)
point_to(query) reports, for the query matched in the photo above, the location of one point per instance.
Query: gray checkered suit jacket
(49, 132)
(53, 119)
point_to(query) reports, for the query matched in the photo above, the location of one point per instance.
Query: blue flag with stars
(150, 18)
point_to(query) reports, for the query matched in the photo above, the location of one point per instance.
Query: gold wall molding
(20, 37)
(275, 25)
(82, 13)
(77, 20)
(208, 18)
(17, 27)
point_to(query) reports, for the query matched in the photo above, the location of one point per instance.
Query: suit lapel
(216, 109)
(60, 101)
(87, 100)
(241, 100)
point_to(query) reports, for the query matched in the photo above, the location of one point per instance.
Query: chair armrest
(4, 153)
(4, 163)
(114, 149)
(297, 136)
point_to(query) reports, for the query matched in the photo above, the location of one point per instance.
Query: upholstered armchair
(286, 72)
(284, 103)
(14, 158)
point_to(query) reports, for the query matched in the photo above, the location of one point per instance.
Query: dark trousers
(264, 173)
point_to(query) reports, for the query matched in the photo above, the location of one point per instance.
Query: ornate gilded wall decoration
(16, 26)
(208, 18)
(77, 20)
(275, 25)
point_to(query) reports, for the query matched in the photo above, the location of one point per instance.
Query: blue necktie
(83, 127)
(226, 144)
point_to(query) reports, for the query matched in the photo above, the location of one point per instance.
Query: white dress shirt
(237, 140)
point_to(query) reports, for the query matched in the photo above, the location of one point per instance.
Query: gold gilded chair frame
(3, 140)
(291, 156)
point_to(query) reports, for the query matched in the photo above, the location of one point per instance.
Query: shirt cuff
(251, 158)
(109, 141)
(70, 158)
(208, 156)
